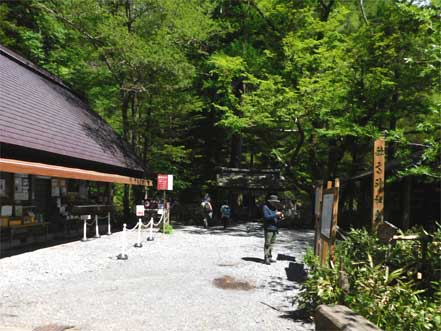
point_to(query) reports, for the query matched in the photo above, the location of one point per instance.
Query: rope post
(138, 242)
(123, 255)
(84, 230)
(150, 237)
(108, 224)
(97, 231)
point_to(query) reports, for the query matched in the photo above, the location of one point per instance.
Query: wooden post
(334, 219)
(378, 184)
(328, 222)
(317, 209)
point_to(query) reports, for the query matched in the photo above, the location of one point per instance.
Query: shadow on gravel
(299, 315)
(253, 259)
(35, 246)
(277, 284)
(220, 231)
(283, 257)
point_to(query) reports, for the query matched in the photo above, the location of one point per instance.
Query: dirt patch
(227, 264)
(230, 283)
(53, 327)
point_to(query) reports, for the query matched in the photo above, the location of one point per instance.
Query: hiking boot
(267, 261)
(272, 260)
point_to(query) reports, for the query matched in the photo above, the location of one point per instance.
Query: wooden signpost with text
(327, 225)
(378, 184)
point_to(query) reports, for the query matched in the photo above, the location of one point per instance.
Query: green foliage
(168, 229)
(293, 85)
(383, 285)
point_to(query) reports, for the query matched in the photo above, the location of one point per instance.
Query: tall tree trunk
(236, 150)
(406, 200)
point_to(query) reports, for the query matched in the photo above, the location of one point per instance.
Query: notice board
(326, 217)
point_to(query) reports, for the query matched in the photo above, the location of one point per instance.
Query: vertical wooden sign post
(378, 184)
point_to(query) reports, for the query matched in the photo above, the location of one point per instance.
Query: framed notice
(55, 187)
(327, 211)
(2, 187)
(21, 187)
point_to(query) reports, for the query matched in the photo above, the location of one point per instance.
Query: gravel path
(168, 284)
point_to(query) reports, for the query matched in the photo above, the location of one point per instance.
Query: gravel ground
(168, 284)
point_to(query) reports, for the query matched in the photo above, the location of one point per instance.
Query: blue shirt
(269, 219)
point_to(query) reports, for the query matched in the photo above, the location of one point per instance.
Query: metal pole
(108, 224)
(138, 242)
(97, 231)
(163, 215)
(123, 255)
(84, 231)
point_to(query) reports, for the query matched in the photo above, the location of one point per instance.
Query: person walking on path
(225, 211)
(271, 217)
(207, 211)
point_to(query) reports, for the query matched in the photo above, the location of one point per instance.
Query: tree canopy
(304, 86)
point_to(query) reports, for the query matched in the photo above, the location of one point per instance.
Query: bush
(168, 229)
(379, 282)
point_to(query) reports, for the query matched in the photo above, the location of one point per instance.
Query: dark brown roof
(38, 111)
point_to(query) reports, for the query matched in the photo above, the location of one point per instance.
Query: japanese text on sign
(165, 182)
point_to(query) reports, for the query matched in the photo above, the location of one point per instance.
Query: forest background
(303, 86)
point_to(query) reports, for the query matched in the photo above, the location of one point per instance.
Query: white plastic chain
(133, 229)
(91, 223)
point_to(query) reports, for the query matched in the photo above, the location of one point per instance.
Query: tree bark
(236, 150)
(406, 202)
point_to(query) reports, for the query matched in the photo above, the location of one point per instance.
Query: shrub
(383, 286)
(168, 229)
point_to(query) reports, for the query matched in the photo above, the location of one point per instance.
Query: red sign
(162, 182)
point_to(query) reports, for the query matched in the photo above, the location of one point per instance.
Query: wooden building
(56, 155)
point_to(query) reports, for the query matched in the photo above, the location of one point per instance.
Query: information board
(165, 182)
(326, 219)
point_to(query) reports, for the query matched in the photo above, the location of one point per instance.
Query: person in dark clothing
(225, 211)
(271, 217)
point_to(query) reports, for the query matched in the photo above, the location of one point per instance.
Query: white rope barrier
(123, 255)
(97, 230)
(150, 236)
(84, 231)
(108, 224)
(134, 228)
(138, 242)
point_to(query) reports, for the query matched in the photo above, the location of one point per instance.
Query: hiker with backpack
(207, 211)
(225, 211)
(272, 214)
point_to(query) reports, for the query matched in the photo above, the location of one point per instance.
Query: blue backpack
(226, 211)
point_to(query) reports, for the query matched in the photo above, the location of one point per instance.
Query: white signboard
(139, 210)
(326, 220)
(170, 183)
